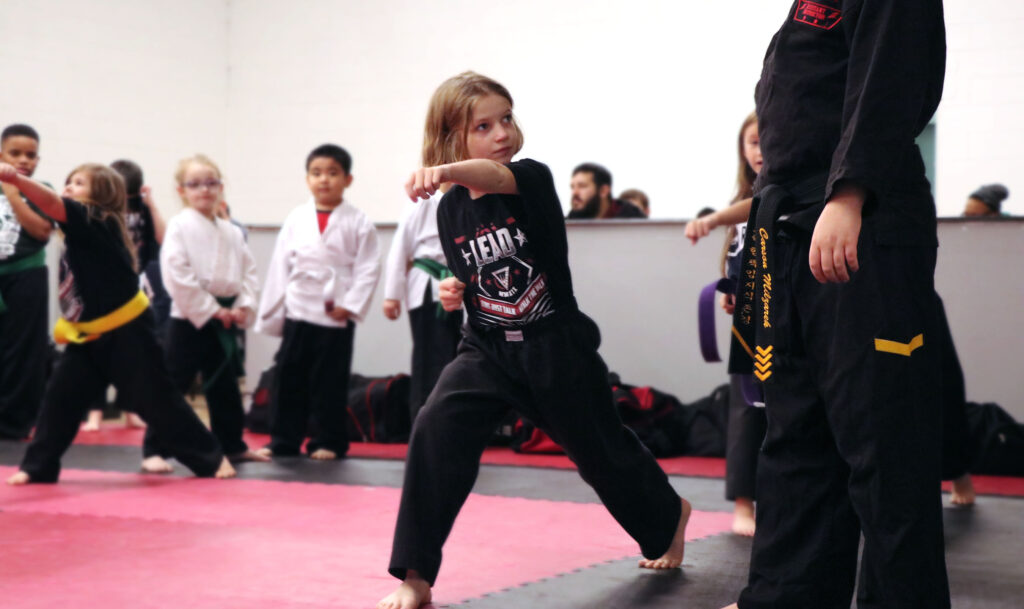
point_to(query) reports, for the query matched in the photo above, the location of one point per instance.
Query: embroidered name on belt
(817, 15)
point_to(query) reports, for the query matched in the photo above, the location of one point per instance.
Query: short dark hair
(331, 151)
(19, 129)
(601, 175)
(131, 173)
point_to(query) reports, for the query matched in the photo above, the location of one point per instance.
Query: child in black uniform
(526, 345)
(108, 330)
(841, 254)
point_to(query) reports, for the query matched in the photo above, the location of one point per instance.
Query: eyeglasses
(204, 184)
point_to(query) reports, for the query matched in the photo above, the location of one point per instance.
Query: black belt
(753, 331)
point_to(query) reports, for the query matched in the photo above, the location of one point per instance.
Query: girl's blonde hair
(107, 200)
(201, 159)
(449, 114)
(745, 176)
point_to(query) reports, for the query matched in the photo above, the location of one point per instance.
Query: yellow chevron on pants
(892, 346)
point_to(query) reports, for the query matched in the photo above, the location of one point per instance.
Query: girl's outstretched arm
(45, 199)
(734, 214)
(480, 176)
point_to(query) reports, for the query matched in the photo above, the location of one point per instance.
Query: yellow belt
(79, 332)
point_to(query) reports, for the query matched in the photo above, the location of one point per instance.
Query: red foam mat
(101, 539)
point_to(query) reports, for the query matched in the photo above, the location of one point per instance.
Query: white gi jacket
(201, 259)
(416, 237)
(308, 269)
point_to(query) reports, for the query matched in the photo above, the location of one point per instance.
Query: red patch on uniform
(510, 221)
(459, 240)
(817, 15)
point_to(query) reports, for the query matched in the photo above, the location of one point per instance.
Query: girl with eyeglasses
(211, 277)
(108, 329)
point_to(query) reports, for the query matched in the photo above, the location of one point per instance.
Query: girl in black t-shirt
(526, 345)
(109, 332)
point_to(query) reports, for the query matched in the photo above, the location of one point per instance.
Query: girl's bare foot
(674, 556)
(412, 593)
(322, 454)
(92, 422)
(264, 452)
(18, 479)
(743, 517)
(249, 455)
(225, 470)
(963, 491)
(156, 465)
(133, 420)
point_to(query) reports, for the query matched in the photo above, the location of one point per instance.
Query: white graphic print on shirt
(10, 229)
(508, 289)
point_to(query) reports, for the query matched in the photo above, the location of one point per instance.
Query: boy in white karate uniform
(321, 278)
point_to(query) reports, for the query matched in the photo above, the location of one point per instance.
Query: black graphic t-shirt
(510, 250)
(96, 275)
(139, 221)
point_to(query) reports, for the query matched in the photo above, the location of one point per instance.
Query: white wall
(653, 89)
(979, 124)
(644, 298)
(116, 79)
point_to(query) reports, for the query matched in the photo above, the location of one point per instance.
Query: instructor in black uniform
(837, 309)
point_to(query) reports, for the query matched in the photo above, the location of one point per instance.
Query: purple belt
(709, 345)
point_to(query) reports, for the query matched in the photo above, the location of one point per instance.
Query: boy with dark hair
(320, 281)
(24, 290)
(837, 308)
(331, 151)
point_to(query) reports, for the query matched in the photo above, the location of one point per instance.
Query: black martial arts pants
(24, 350)
(435, 338)
(556, 378)
(130, 359)
(191, 350)
(743, 438)
(854, 436)
(310, 391)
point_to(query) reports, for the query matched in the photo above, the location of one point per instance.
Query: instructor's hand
(451, 290)
(833, 253)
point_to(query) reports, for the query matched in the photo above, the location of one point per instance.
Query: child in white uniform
(211, 277)
(415, 266)
(321, 278)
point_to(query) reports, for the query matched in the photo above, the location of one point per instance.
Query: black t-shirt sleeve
(534, 182)
(76, 222)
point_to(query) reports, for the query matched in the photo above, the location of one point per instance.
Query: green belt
(32, 261)
(234, 354)
(436, 270)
